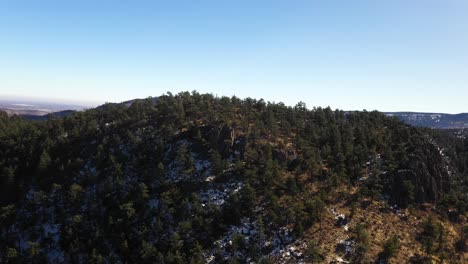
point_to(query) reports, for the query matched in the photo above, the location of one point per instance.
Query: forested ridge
(194, 178)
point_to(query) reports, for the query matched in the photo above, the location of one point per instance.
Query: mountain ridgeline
(193, 178)
(433, 120)
(47, 116)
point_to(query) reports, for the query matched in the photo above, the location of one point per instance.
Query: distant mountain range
(433, 120)
(37, 110)
(49, 115)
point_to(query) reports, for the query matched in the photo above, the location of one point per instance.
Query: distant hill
(33, 108)
(47, 116)
(25, 112)
(37, 110)
(433, 120)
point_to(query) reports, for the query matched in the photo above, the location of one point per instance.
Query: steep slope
(193, 178)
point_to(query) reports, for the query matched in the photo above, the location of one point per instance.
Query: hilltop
(194, 178)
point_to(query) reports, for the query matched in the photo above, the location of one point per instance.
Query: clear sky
(386, 55)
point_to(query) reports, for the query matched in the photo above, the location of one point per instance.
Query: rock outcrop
(424, 179)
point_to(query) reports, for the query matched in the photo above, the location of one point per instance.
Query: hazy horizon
(385, 56)
(87, 104)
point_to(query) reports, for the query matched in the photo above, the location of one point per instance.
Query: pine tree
(248, 198)
(44, 161)
(390, 248)
(216, 162)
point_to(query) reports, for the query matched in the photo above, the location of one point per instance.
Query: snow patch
(219, 194)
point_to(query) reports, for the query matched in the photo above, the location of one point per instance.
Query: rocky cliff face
(423, 178)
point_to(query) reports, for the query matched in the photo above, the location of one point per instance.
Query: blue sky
(384, 55)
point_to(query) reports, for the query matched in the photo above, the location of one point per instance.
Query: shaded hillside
(192, 178)
(433, 120)
(49, 115)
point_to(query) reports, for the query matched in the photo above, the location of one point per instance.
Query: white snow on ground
(446, 158)
(47, 230)
(279, 243)
(396, 210)
(246, 228)
(291, 252)
(345, 243)
(218, 194)
(342, 218)
(210, 178)
(340, 260)
(202, 167)
(348, 245)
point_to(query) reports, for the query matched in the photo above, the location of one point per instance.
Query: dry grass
(382, 223)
